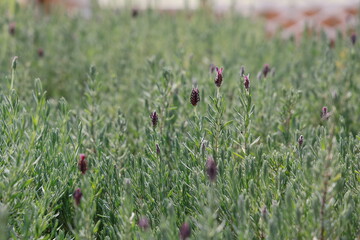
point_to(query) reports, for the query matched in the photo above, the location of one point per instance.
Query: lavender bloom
(247, 82)
(325, 114)
(154, 119)
(12, 28)
(158, 149)
(144, 223)
(353, 38)
(219, 76)
(195, 96)
(212, 68)
(82, 164)
(211, 169)
(185, 231)
(77, 196)
(266, 69)
(264, 212)
(242, 71)
(40, 52)
(301, 140)
(134, 12)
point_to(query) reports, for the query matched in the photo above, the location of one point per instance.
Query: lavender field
(148, 124)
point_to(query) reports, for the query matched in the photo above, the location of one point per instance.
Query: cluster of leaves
(267, 185)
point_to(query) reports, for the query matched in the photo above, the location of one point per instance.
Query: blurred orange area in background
(290, 21)
(68, 5)
(297, 21)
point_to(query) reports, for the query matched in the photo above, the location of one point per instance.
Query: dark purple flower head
(82, 163)
(266, 70)
(185, 231)
(325, 114)
(195, 96)
(353, 38)
(154, 119)
(77, 196)
(12, 28)
(158, 149)
(264, 212)
(301, 140)
(242, 71)
(40, 52)
(211, 169)
(212, 68)
(246, 82)
(219, 76)
(144, 223)
(134, 12)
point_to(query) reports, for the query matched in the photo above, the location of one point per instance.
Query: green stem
(12, 79)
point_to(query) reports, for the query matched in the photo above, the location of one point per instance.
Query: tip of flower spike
(14, 62)
(144, 223)
(219, 76)
(353, 38)
(185, 231)
(301, 140)
(40, 52)
(82, 164)
(77, 196)
(154, 119)
(194, 97)
(211, 169)
(266, 69)
(247, 82)
(12, 27)
(325, 114)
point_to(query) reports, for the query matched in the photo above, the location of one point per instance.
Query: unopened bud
(14, 63)
(77, 196)
(154, 119)
(195, 96)
(185, 231)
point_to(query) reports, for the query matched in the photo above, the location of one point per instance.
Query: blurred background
(291, 16)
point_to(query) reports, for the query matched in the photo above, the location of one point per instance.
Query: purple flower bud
(127, 181)
(82, 163)
(195, 96)
(332, 43)
(264, 212)
(266, 70)
(12, 27)
(325, 114)
(144, 223)
(353, 38)
(219, 76)
(154, 119)
(211, 169)
(242, 71)
(77, 196)
(40, 52)
(158, 149)
(134, 12)
(212, 68)
(246, 82)
(301, 140)
(185, 231)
